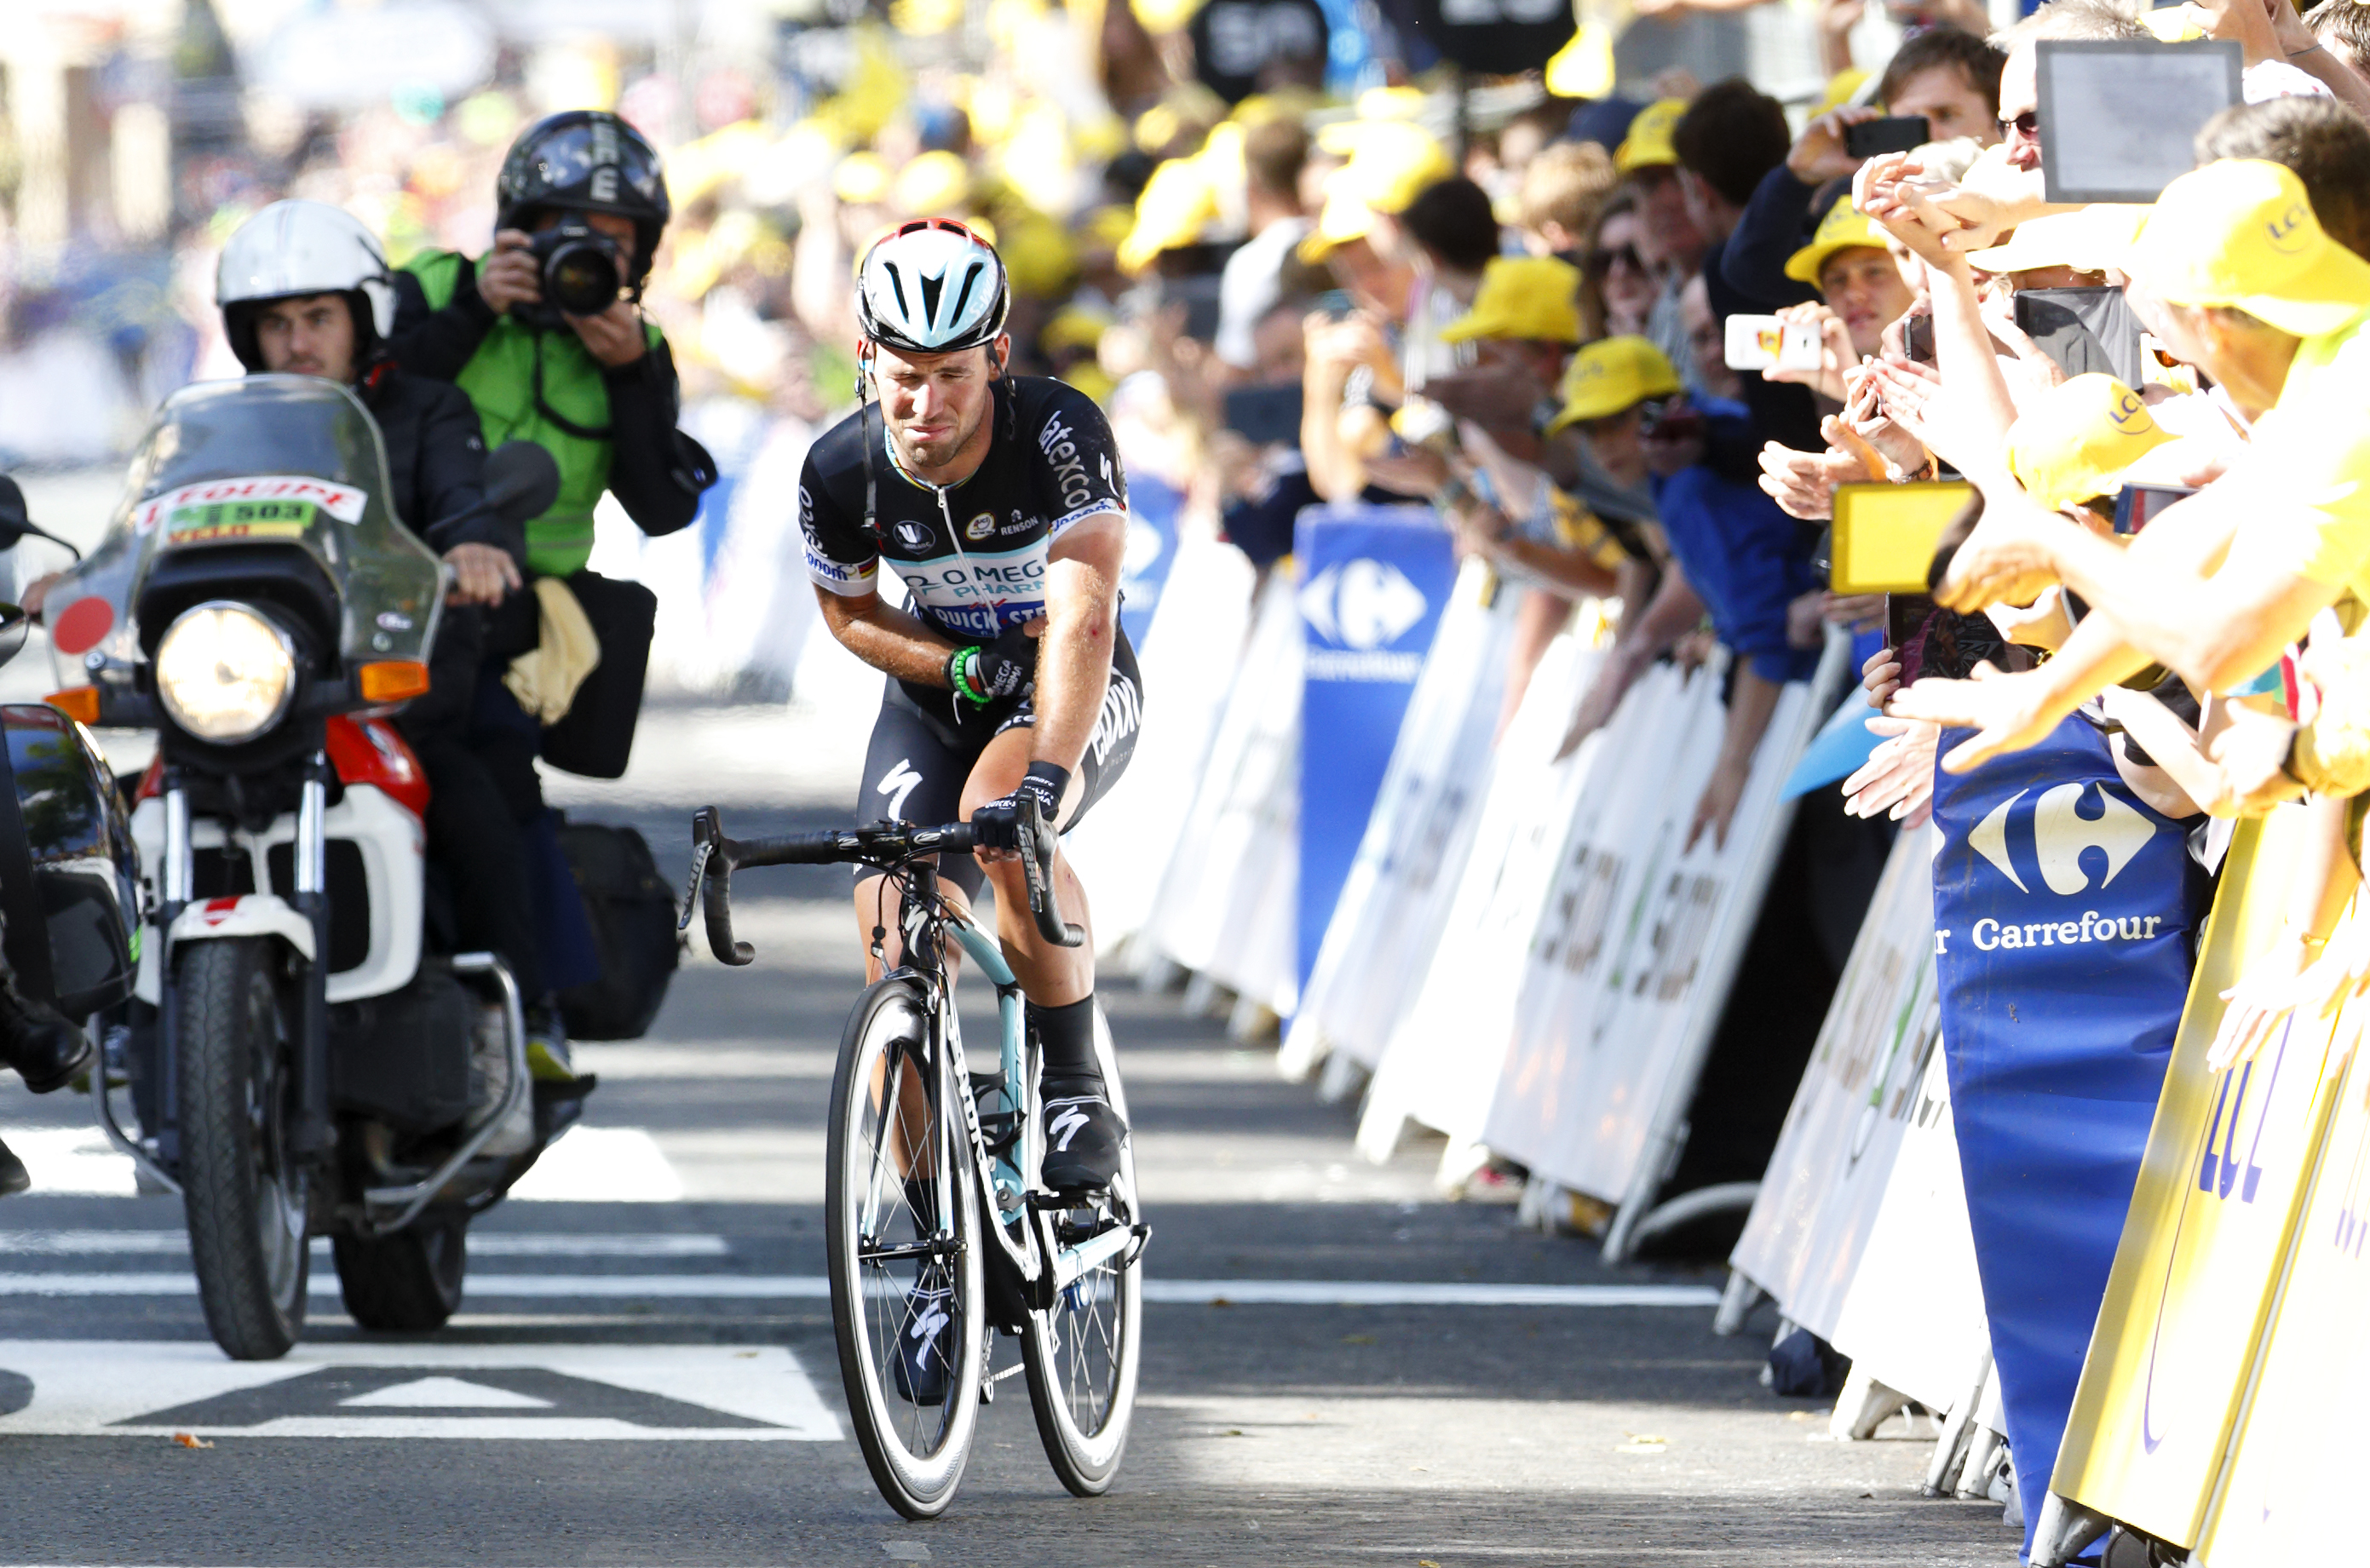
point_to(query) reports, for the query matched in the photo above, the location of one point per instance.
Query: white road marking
(77, 1161)
(482, 1244)
(444, 1393)
(83, 1388)
(815, 1287)
(601, 1164)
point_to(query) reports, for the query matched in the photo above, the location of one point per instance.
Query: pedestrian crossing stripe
(676, 1392)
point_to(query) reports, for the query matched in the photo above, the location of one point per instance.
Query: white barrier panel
(1442, 1061)
(1579, 935)
(1803, 1240)
(1387, 918)
(1204, 616)
(1596, 1091)
(1225, 908)
(1914, 1316)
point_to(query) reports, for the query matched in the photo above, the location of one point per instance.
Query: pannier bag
(632, 909)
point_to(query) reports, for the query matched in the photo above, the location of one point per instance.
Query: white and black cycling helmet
(291, 249)
(931, 287)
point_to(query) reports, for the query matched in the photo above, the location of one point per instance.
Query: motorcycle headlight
(225, 673)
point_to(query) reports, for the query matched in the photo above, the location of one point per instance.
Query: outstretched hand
(2007, 712)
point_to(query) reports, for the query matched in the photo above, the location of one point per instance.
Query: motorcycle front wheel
(244, 1194)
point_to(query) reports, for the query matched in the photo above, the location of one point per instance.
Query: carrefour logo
(2061, 838)
(1363, 604)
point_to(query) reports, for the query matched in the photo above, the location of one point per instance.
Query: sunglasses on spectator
(2028, 124)
(1600, 262)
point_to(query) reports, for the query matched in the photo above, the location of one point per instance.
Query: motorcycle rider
(304, 290)
(598, 391)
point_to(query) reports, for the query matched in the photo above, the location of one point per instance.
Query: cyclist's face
(934, 404)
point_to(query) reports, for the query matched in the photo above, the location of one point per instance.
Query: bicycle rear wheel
(906, 1300)
(1083, 1352)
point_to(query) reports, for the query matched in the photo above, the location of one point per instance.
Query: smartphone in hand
(1894, 134)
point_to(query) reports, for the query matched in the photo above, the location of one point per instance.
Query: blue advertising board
(1373, 582)
(1152, 507)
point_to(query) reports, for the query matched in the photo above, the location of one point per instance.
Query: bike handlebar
(714, 857)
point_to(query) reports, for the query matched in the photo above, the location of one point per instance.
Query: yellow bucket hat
(1610, 375)
(1391, 163)
(1533, 298)
(935, 184)
(1177, 202)
(1841, 228)
(2076, 442)
(2242, 232)
(1649, 143)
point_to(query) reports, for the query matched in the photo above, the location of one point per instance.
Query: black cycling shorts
(924, 746)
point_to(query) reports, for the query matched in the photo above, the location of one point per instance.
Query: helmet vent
(897, 282)
(971, 277)
(932, 288)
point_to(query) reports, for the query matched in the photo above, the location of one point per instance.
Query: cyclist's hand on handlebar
(1005, 668)
(996, 825)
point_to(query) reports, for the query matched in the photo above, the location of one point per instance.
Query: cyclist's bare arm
(887, 638)
(1082, 573)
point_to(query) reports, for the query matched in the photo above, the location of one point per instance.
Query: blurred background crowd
(1152, 173)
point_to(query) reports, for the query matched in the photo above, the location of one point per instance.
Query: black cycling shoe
(46, 1049)
(924, 1368)
(13, 1177)
(1083, 1136)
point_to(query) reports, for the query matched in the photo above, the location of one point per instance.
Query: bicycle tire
(916, 1463)
(1084, 1396)
(246, 1198)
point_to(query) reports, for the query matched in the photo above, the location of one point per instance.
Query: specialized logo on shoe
(929, 1317)
(901, 782)
(2060, 835)
(1064, 1126)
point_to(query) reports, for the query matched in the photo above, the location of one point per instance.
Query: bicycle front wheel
(906, 1294)
(1082, 1353)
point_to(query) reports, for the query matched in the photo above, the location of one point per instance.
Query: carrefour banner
(1373, 582)
(2062, 911)
(1152, 509)
(2294, 1491)
(2220, 1188)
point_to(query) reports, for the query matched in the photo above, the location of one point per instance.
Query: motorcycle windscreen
(262, 459)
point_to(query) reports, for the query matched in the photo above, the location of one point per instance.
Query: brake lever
(1037, 870)
(711, 887)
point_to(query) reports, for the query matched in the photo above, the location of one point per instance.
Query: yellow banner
(2293, 1494)
(2219, 1193)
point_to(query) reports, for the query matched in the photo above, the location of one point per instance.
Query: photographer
(546, 335)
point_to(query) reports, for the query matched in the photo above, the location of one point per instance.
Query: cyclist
(1000, 501)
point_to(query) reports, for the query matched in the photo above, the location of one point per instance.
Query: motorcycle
(70, 895)
(300, 1064)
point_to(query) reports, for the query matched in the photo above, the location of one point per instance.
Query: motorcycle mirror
(14, 623)
(17, 526)
(522, 481)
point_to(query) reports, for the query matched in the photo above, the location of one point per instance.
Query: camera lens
(580, 278)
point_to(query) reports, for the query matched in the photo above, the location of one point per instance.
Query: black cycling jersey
(973, 556)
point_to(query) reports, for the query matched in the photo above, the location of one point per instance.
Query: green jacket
(500, 379)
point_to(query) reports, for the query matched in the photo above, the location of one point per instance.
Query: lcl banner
(2294, 1492)
(2062, 911)
(1373, 582)
(2220, 1190)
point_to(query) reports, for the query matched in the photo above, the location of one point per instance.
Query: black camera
(579, 271)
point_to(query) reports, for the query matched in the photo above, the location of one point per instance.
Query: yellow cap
(1391, 161)
(1533, 298)
(861, 180)
(2174, 24)
(1583, 67)
(1841, 228)
(1391, 103)
(1649, 143)
(2076, 440)
(1610, 375)
(2242, 232)
(1839, 90)
(2091, 240)
(935, 184)
(1177, 202)
(1074, 326)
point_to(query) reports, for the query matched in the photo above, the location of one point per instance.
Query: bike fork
(177, 878)
(315, 1134)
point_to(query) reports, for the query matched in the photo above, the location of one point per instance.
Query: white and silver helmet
(931, 287)
(295, 249)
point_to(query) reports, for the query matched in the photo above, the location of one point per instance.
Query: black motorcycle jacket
(435, 460)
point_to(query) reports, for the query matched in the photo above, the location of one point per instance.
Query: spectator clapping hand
(1897, 780)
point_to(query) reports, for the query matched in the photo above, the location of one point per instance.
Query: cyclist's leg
(1084, 1133)
(914, 771)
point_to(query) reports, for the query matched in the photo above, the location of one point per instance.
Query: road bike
(938, 1224)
